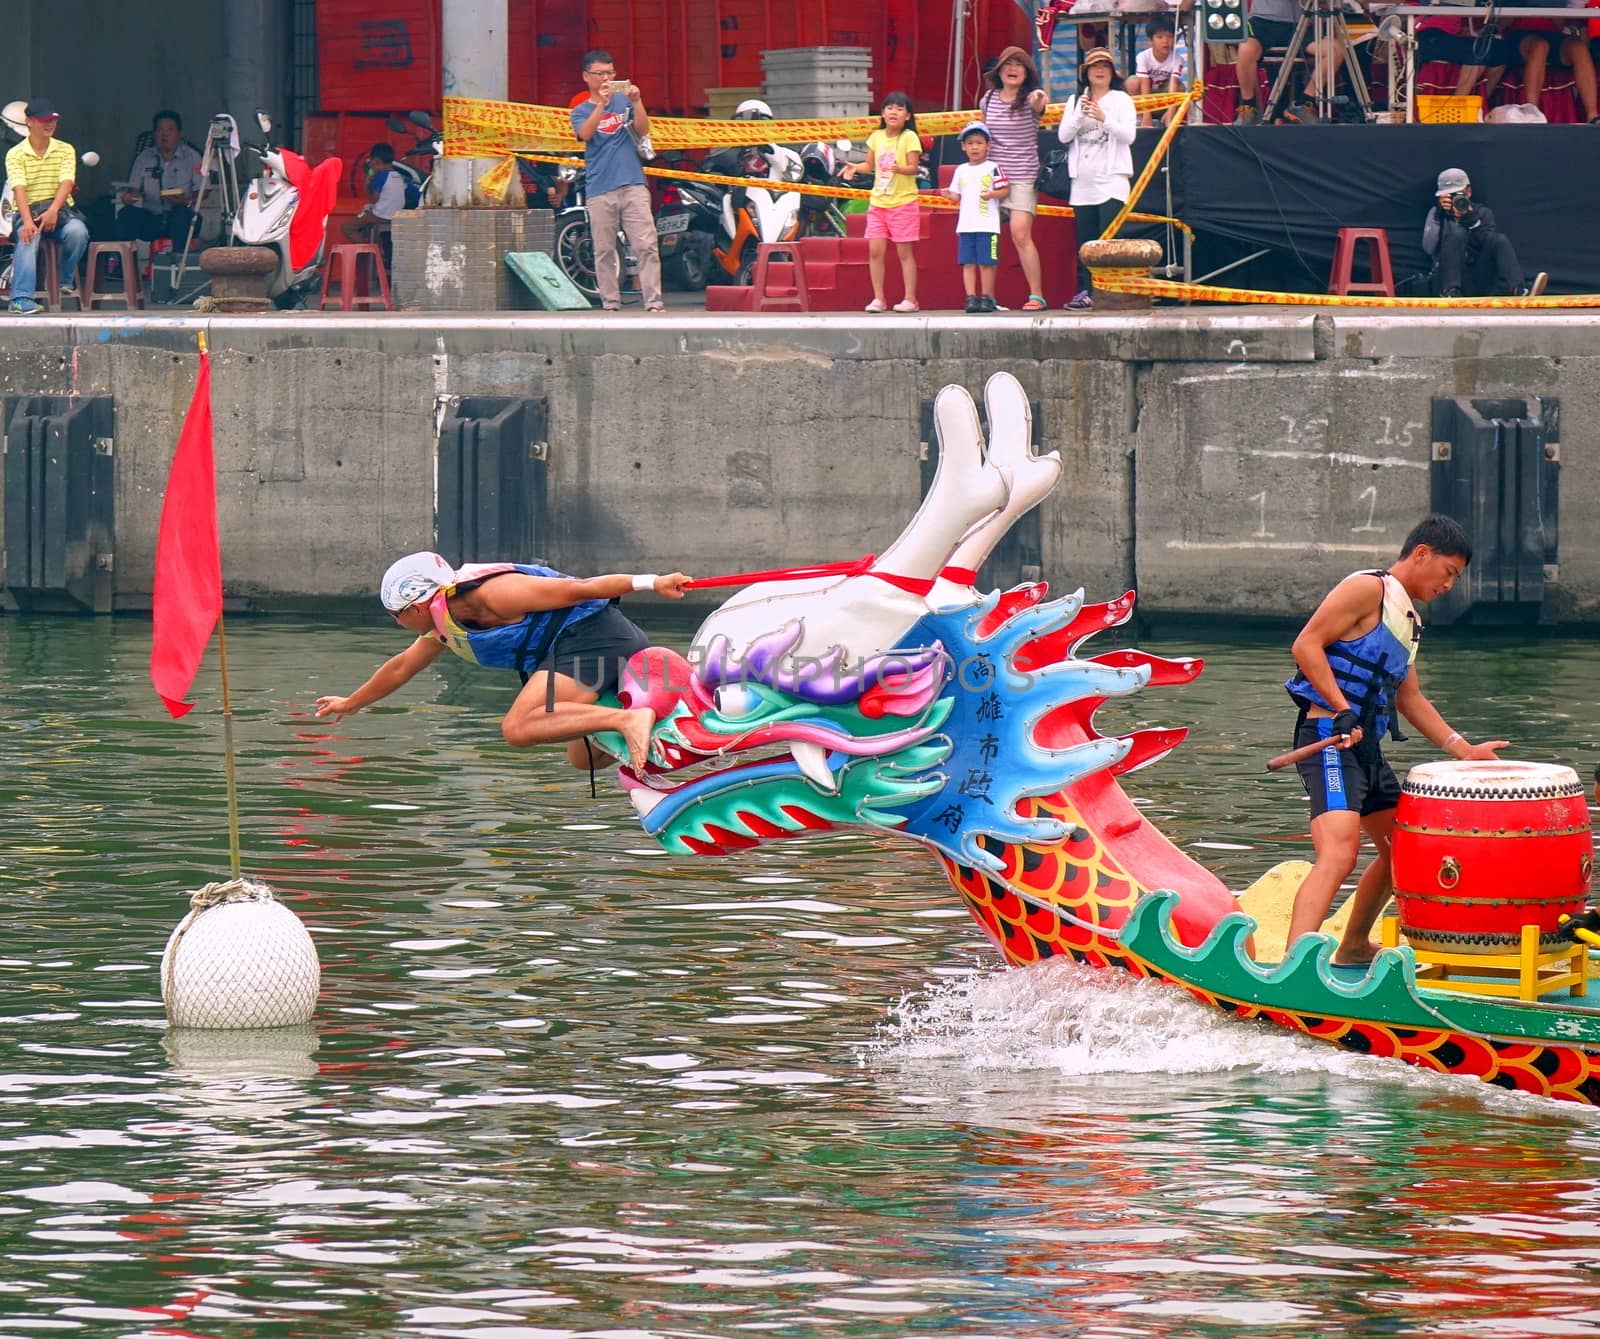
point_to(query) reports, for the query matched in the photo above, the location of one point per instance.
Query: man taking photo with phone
(1471, 256)
(611, 122)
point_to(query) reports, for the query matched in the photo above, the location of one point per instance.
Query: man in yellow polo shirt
(42, 172)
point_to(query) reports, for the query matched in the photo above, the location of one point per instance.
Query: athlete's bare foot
(635, 729)
(1359, 956)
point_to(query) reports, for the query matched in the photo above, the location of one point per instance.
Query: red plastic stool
(795, 296)
(126, 290)
(343, 273)
(1344, 257)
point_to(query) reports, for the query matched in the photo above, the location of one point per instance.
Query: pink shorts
(903, 223)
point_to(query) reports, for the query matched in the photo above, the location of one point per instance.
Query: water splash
(1067, 1020)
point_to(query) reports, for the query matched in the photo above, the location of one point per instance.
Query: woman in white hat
(1098, 126)
(564, 635)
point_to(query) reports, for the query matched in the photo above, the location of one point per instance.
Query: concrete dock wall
(1233, 463)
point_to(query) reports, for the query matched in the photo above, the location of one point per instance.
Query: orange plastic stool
(128, 292)
(344, 284)
(795, 296)
(1344, 257)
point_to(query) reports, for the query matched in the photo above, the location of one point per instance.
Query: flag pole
(227, 723)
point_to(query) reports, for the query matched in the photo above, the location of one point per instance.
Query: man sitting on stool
(43, 173)
(1471, 257)
(390, 188)
(162, 183)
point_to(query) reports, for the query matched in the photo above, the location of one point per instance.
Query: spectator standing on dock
(610, 122)
(1099, 127)
(980, 185)
(894, 152)
(43, 173)
(1011, 108)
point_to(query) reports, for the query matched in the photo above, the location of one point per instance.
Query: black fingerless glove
(1346, 722)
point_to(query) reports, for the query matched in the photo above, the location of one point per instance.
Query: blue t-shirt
(610, 158)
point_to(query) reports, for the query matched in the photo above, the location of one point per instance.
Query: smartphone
(617, 86)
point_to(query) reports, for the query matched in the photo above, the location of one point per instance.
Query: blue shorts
(977, 248)
(1337, 779)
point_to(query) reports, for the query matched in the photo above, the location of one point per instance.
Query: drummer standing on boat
(1356, 660)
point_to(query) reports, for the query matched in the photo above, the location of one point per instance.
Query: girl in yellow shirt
(893, 214)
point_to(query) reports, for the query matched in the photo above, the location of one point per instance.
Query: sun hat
(415, 577)
(1452, 179)
(1099, 56)
(975, 128)
(1016, 53)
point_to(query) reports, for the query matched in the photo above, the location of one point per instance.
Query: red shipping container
(548, 39)
(378, 55)
(665, 47)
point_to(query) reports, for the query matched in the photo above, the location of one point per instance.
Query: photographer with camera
(1471, 256)
(615, 128)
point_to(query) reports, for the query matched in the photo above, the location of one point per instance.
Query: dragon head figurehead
(897, 697)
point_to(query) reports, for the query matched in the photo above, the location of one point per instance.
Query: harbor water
(560, 1084)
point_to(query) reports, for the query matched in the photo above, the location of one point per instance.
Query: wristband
(1450, 739)
(645, 581)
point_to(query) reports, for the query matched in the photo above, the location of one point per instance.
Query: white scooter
(774, 211)
(284, 212)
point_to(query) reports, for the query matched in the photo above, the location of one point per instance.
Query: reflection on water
(560, 1084)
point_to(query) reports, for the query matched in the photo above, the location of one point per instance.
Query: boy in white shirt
(1160, 66)
(980, 185)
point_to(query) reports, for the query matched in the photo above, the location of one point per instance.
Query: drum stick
(1290, 758)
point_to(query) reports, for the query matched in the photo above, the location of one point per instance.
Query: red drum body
(1483, 848)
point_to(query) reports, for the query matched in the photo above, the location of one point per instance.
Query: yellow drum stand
(1526, 974)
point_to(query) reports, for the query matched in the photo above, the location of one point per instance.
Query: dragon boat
(899, 698)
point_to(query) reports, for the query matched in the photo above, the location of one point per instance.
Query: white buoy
(239, 959)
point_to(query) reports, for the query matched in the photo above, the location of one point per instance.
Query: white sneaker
(875, 306)
(907, 305)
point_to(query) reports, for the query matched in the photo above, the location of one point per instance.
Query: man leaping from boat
(1356, 661)
(564, 635)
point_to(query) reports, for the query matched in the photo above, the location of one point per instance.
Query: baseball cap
(1452, 179)
(975, 128)
(415, 577)
(41, 109)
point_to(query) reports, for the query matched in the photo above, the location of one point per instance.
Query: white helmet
(752, 109)
(412, 578)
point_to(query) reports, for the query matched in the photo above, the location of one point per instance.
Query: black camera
(1460, 203)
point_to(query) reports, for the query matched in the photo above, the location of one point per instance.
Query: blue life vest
(1369, 668)
(515, 646)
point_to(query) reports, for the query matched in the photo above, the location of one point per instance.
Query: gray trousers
(627, 208)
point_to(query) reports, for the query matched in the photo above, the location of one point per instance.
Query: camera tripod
(1321, 23)
(218, 157)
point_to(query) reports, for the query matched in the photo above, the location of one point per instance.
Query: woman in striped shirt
(1012, 107)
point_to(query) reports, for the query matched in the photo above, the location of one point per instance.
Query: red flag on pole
(188, 588)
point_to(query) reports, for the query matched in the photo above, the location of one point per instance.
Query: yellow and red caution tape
(481, 128)
(927, 198)
(1140, 282)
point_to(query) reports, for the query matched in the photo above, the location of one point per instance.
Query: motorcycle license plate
(671, 223)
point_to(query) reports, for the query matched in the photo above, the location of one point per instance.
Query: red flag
(188, 589)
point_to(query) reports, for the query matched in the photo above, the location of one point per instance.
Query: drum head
(1493, 780)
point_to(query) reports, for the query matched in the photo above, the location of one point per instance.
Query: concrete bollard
(239, 276)
(1120, 253)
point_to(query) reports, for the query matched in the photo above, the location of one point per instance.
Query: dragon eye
(735, 700)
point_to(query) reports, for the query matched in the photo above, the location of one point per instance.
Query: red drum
(1483, 848)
